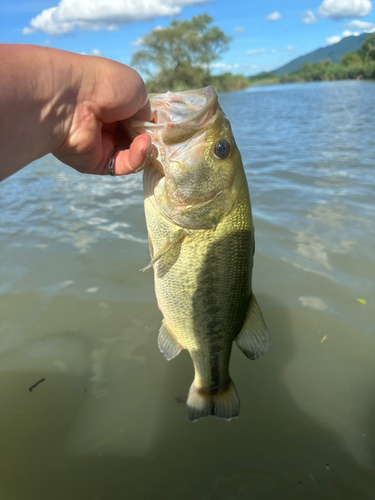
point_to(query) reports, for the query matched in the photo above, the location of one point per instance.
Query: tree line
(354, 65)
(180, 56)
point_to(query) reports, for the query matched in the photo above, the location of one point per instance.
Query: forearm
(37, 93)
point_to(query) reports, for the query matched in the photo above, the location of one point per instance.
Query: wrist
(61, 91)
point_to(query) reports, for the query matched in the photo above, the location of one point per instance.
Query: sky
(265, 35)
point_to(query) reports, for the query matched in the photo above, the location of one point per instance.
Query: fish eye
(221, 149)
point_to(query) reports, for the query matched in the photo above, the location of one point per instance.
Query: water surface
(108, 421)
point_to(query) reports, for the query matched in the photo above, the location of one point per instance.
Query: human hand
(71, 105)
(108, 93)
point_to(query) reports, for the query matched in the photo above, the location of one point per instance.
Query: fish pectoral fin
(177, 236)
(253, 338)
(168, 345)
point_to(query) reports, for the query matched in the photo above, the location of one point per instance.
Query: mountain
(334, 52)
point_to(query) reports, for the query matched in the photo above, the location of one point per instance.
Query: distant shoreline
(315, 81)
(358, 65)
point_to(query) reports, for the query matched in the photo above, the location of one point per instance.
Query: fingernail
(146, 150)
(151, 153)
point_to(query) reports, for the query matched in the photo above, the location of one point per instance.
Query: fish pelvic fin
(253, 339)
(165, 248)
(224, 404)
(168, 345)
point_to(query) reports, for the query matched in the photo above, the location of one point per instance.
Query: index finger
(120, 93)
(144, 113)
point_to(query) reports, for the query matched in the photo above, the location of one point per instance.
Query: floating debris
(361, 301)
(324, 339)
(39, 382)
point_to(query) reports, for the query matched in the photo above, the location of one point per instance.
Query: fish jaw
(177, 117)
(198, 189)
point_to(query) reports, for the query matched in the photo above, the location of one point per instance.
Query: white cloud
(137, 42)
(289, 48)
(330, 40)
(361, 25)
(93, 52)
(221, 65)
(343, 9)
(274, 16)
(255, 52)
(27, 31)
(239, 29)
(349, 33)
(100, 14)
(97, 52)
(308, 17)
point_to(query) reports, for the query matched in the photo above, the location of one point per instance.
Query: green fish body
(201, 237)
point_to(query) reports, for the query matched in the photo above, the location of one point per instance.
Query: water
(108, 421)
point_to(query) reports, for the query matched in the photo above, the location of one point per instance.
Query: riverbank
(320, 72)
(358, 65)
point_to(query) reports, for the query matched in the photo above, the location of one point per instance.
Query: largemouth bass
(201, 238)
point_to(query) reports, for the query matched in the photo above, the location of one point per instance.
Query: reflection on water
(108, 420)
(313, 302)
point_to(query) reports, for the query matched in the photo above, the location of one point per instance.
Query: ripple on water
(75, 310)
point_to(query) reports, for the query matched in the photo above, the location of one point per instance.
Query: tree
(315, 72)
(367, 50)
(368, 47)
(351, 59)
(179, 55)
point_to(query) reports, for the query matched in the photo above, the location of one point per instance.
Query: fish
(201, 239)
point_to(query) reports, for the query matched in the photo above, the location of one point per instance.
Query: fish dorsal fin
(175, 238)
(253, 338)
(168, 345)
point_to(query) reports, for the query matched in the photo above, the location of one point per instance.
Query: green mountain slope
(333, 52)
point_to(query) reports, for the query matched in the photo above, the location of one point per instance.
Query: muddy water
(107, 421)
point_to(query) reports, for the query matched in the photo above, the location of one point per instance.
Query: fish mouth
(177, 118)
(183, 114)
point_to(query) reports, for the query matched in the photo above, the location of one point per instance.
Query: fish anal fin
(224, 404)
(253, 339)
(177, 236)
(168, 345)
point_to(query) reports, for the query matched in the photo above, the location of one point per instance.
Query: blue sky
(265, 34)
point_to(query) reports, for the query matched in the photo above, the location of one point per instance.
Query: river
(107, 420)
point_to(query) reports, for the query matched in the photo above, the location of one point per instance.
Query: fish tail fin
(225, 404)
